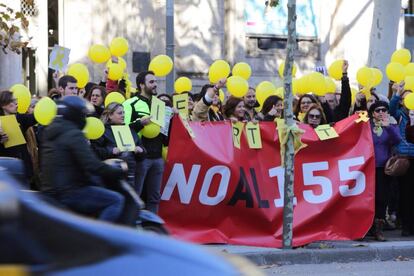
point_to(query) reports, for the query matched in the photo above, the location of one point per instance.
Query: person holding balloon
(400, 105)
(207, 93)
(137, 115)
(334, 109)
(214, 111)
(96, 97)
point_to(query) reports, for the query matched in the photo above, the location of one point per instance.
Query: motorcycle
(134, 213)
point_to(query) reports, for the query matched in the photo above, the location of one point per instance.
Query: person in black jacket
(8, 106)
(334, 109)
(68, 161)
(106, 147)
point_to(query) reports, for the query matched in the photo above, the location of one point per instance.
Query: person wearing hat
(384, 136)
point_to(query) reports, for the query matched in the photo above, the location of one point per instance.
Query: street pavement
(325, 252)
(394, 268)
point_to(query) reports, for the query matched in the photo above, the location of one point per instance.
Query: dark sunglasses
(314, 116)
(378, 110)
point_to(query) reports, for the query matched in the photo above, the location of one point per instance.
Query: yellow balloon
(115, 72)
(242, 69)
(94, 128)
(395, 71)
(221, 95)
(301, 85)
(409, 69)
(317, 83)
(377, 76)
(264, 90)
(409, 101)
(45, 111)
(402, 56)
(80, 73)
(237, 86)
(119, 46)
(161, 65)
(409, 83)
(365, 76)
(121, 62)
(335, 70)
(280, 92)
(220, 69)
(183, 84)
(99, 53)
(354, 92)
(114, 97)
(23, 97)
(282, 68)
(151, 130)
(330, 85)
(164, 153)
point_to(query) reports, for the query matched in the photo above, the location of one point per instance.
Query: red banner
(215, 193)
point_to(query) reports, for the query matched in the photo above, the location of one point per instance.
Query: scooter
(146, 220)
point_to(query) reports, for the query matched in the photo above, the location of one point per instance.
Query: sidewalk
(395, 248)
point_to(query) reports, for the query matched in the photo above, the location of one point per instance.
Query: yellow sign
(187, 126)
(11, 127)
(123, 138)
(180, 102)
(363, 117)
(59, 58)
(253, 135)
(326, 132)
(157, 111)
(237, 132)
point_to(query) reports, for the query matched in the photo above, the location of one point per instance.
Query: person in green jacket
(137, 115)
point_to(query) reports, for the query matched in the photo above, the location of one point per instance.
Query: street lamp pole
(170, 43)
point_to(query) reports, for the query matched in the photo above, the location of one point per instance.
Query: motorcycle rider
(68, 161)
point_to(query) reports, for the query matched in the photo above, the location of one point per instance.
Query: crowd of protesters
(61, 163)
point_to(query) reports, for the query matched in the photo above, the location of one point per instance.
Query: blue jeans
(149, 175)
(93, 200)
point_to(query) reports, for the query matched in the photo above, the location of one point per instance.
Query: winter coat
(68, 160)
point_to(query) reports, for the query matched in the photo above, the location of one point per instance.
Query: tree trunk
(288, 114)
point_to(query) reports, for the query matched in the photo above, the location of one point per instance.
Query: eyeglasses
(378, 110)
(305, 102)
(314, 116)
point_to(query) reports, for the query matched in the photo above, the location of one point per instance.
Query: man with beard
(249, 105)
(137, 114)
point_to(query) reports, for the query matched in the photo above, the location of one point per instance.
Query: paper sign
(326, 132)
(11, 127)
(59, 58)
(123, 138)
(187, 126)
(168, 115)
(253, 135)
(180, 102)
(237, 132)
(158, 111)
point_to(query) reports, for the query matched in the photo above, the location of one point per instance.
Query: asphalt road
(401, 267)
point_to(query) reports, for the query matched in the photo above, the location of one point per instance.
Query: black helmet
(74, 109)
